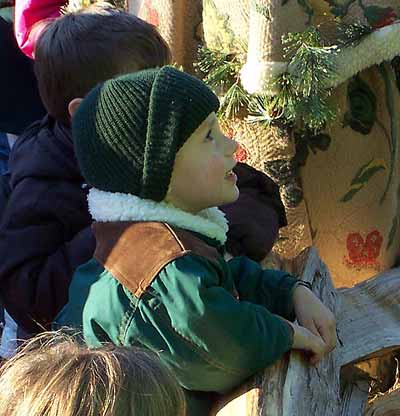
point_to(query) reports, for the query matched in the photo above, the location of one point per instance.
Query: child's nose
(231, 146)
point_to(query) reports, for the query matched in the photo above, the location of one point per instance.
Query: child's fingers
(310, 325)
(316, 344)
(315, 359)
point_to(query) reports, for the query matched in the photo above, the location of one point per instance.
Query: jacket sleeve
(212, 341)
(41, 244)
(27, 14)
(255, 218)
(271, 288)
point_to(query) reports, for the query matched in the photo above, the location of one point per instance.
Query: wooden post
(368, 325)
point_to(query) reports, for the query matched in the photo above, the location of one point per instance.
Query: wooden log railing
(368, 325)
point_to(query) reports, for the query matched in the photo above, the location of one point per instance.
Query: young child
(54, 375)
(150, 146)
(45, 232)
(45, 229)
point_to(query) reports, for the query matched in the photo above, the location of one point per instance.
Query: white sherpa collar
(110, 206)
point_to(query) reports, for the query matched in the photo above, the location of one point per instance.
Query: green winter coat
(187, 312)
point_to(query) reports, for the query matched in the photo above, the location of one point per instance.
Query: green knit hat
(128, 130)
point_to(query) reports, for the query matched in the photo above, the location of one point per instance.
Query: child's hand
(312, 314)
(303, 339)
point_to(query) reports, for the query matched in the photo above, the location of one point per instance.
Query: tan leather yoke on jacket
(135, 252)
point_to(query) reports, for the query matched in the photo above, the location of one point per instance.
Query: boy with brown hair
(81, 49)
(45, 230)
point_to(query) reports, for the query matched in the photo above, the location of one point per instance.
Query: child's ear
(73, 106)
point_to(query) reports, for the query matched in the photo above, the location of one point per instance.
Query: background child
(45, 230)
(54, 375)
(20, 105)
(150, 145)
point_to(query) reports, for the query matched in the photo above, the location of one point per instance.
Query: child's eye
(209, 136)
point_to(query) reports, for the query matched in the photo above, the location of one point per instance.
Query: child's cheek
(215, 170)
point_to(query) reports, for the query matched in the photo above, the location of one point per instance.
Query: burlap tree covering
(179, 21)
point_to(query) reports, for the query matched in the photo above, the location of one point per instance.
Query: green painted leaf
(363, 175)
(368, 170)
(360, 171)
(320, 142)
(367, 175)
(388, 79)
(349, 196)
(392, 232)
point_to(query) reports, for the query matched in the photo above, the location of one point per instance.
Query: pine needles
(311, 67)
(221, 72)
(300, 98)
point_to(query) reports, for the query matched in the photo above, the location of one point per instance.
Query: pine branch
(232, 102)
(221, 72)
(311, 67)
(311, 64)
(260, 110)
(301, 97)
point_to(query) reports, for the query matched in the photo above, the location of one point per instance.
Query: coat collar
(110, 206)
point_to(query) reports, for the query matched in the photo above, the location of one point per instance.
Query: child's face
(202, 176)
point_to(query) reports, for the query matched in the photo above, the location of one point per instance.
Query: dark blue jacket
(45, 229)
(20, 103)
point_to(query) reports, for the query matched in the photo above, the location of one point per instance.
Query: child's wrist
(303, 283)
(301, 288)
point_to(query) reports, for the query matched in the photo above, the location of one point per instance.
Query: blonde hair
(54, 375)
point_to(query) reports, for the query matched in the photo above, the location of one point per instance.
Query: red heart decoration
(364, 252)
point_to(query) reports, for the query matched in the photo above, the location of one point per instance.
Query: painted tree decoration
(313, 98)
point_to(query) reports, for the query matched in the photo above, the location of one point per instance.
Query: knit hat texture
(128, 130)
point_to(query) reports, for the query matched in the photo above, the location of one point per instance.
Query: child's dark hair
(77, 51)
(54, 375)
